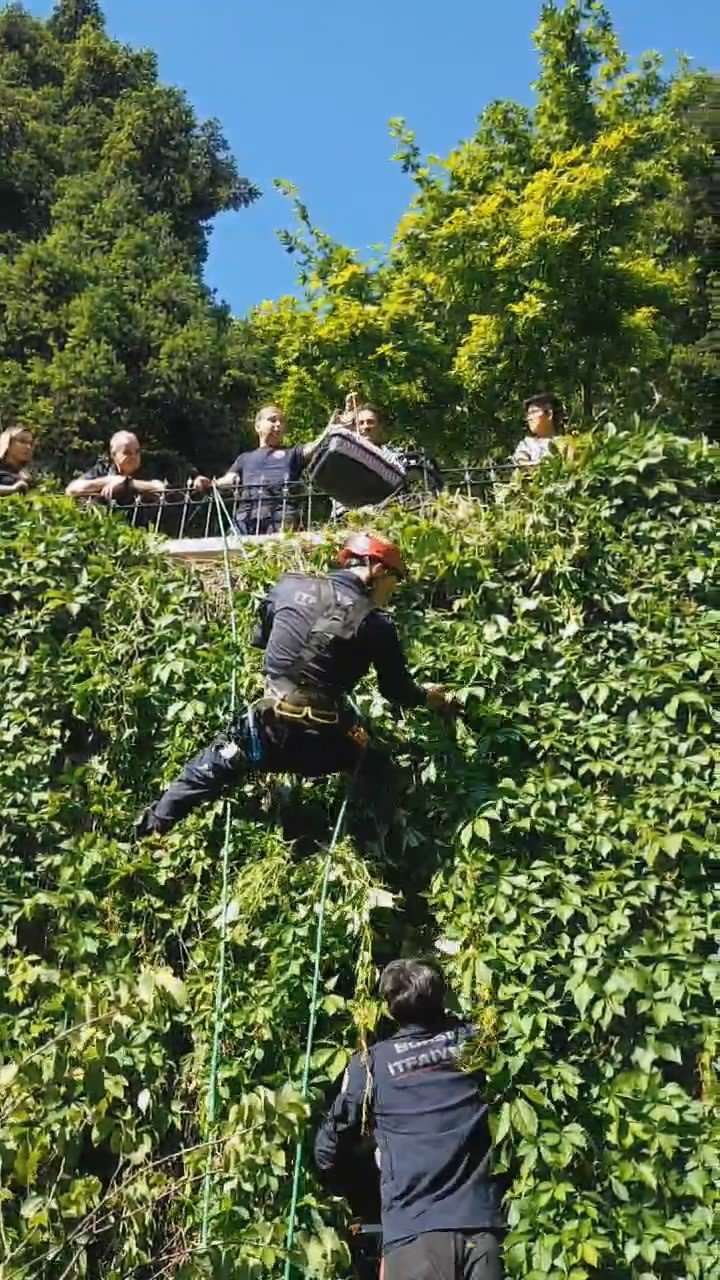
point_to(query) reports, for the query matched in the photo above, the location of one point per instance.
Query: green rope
(312, 1017)
(211, 1103)
(224, 515)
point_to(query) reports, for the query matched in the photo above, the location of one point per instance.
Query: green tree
(696, 358)
(69, 16)
(109, 185)
(548, 250)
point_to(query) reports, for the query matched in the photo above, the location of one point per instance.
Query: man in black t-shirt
(269, 477)
(117, 479)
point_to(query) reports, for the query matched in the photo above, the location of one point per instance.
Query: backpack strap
(367, 1113)
(335, 619)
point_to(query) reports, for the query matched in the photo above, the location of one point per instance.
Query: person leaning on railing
(16, 451)
(269, 476)
(117, 478)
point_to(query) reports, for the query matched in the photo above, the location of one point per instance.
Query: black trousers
(286, 747)
(252, 522)
(447, 1255)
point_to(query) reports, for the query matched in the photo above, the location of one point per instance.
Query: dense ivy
(558, 846)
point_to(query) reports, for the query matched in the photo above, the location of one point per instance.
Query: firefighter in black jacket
(321, 635)
(442, 1215)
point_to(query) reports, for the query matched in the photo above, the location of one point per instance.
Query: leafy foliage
(561, 842)
(549, 250)
(107, 185)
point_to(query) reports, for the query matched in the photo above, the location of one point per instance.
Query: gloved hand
(438, 699)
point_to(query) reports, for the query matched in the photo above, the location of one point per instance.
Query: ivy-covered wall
(559, 845)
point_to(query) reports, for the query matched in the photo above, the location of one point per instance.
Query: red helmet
(364, 546)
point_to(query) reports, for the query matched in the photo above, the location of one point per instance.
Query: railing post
(309, 497)
(260, 495)
(161, 508)
(186, 504)
(235, 498)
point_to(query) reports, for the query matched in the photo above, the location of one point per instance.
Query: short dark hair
(546, 400)
(414, 991)
(372, 408)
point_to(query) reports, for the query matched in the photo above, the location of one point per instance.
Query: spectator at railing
(16, 451)
(370, 425)
(269, 476)
(544, 416)
(117, 478)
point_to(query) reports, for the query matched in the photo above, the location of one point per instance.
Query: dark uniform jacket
(284, 626)
(429, 1119)
(8, 473)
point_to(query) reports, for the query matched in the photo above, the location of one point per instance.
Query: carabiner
(255, 751)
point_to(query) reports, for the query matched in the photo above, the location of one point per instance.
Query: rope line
(211, 1100)
(312, 1018)
(227, 528)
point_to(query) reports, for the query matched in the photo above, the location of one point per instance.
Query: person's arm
(91, 485)
(343, 1125)
(112, 486)
(17, 486)
(148, 486)
(307, 450)
(232, 476)
(263, 625)
(521, 453)
(394, 680)
(312, 446)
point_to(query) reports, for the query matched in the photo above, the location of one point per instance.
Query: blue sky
(304, 90)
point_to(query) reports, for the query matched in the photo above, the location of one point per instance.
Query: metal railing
(295, 505)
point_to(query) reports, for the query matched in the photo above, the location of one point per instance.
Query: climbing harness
(314, 715)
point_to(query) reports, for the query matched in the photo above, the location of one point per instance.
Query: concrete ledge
(197, 550)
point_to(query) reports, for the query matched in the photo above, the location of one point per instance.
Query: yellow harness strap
(315, 715)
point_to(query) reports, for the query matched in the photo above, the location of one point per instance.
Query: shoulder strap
(334, 619)
(368, 1096)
